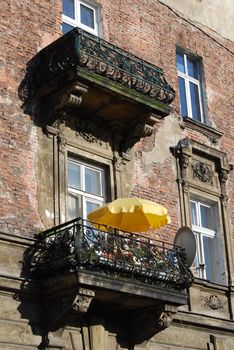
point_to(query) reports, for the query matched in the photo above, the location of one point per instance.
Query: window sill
(205, 129)
(208, 284)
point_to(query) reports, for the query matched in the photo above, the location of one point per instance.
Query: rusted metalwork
(79, 50)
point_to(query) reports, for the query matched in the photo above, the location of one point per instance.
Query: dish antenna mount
(185, 239)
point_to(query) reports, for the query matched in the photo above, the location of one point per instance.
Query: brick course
(145, 28)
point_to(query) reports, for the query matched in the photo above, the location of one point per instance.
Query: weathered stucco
(216, 15)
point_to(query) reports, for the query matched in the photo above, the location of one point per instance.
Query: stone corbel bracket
(150, 322)
(63, 311)
(141, 128)
(166, 316)
(56, 106)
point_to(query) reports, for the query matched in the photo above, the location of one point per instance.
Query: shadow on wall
(93, 326)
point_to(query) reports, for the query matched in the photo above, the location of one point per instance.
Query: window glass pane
(192, 68)
(90, 206)
(93, 181)
(194, 214)
(205, 216)
(196, 113)
(180, 62)
(74, 206)
(183, 103)
(68, 8)
(74, 179)
(207, 244)
(66, 28)
(87, 16)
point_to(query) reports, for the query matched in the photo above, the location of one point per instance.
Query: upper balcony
(106, 83)
(129, 275)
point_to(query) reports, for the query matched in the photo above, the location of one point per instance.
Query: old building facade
(106, 99)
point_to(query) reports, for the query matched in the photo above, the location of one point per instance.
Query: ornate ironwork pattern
(78, 50)
(77, 244)
(116, 64)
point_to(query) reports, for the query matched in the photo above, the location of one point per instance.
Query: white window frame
(187, 79)
(86, 196)
(201, 232)
(77, 22)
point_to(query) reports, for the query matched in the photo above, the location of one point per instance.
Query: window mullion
(200, 102)
(77, 11)
(82, 177)
(189, 105)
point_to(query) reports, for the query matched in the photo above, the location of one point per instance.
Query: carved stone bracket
(61, 312)
(166, 316)
(142, 128)
(58, 105)
(80, 303)
(183, 157)
(145, 325)
(82, 300)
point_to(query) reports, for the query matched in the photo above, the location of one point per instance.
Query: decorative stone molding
(62, 142)
(80, 303)
(201, 168)
(166, 317)
(213, 302)
(56, 107)
(62, 311)
(92, 132)
(137, 130)
(150, 321)
(202, 172)
(224, 176)
(191, 168)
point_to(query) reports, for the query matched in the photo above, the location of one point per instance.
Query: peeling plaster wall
(166, 136)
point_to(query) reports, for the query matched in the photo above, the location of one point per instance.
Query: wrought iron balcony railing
(78, 245)
(79, 51)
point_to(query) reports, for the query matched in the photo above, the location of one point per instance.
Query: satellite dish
(185, 239)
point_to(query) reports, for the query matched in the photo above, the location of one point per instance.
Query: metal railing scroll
(79, 244)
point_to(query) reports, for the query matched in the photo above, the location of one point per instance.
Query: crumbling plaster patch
(166, 136)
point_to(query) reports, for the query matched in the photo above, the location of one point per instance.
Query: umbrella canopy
(131, 214)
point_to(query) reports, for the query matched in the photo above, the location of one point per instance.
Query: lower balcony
(103, 272)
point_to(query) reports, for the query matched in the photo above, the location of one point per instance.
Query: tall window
(208, 262)
(80, 14)
(85, 188)
(189, 87)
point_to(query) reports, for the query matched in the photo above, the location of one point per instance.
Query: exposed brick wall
(145, 28)
(25, 27)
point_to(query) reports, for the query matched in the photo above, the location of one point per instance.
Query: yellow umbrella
(131, 214)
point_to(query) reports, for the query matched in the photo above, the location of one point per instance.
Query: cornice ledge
(210, 132)
(196, 319)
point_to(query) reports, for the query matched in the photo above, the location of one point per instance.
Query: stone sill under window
(212, 133)
(208, 284)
